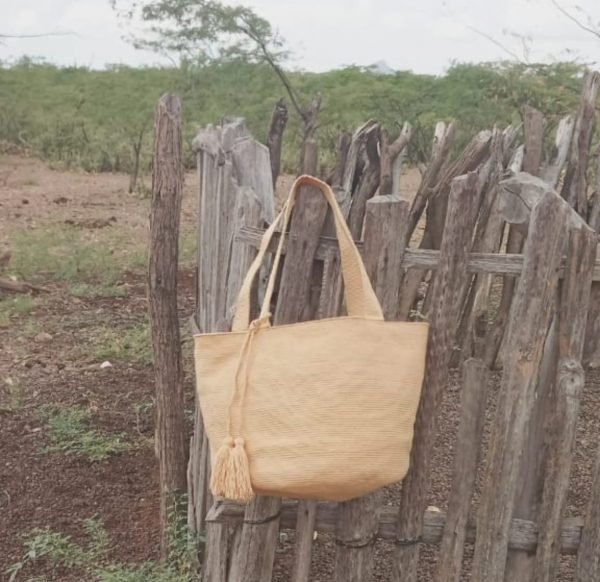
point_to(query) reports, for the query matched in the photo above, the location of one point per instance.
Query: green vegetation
(14, 306)
(69, 432)
(92, 560)
(62, 252)
(94, 119)
(130, 345)
(93, 262)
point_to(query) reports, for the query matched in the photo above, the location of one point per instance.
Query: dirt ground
(50, 355)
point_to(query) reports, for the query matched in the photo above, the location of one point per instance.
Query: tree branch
(251, 33)
(496, 42)
(40, 35)
(576, 20)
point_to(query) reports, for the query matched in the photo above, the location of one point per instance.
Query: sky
(424, 36)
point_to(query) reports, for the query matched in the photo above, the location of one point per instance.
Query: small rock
(43, 337)
(106, 364)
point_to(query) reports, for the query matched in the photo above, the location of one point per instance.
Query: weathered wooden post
(447, 298)
(235, 191)
(564, 406)
(574, 189)
(385, 229)
(527, 330)
(167, 189)
(437, 201)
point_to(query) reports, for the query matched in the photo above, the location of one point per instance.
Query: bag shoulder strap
(361, 300)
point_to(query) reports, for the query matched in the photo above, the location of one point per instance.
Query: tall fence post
(385, 228)
(447, 298)
(167, 189)
(235, 191)
(528, 327)
(570, 378)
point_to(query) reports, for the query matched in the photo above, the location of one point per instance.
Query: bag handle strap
(361, 300)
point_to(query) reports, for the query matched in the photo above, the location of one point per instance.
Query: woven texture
(314, 410)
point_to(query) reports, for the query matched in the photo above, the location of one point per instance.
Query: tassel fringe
(231, 472)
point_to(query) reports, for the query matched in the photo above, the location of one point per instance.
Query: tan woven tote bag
(316, 410)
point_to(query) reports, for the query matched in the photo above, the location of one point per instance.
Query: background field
(74, 117)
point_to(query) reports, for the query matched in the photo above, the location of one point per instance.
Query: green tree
(206, 32)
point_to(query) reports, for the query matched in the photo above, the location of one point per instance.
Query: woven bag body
(316, 410)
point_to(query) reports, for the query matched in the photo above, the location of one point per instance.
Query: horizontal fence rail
(523, 534)
(490, 263)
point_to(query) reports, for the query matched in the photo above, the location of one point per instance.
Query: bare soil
(47, 356)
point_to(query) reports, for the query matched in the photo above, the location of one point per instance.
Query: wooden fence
(497, 249)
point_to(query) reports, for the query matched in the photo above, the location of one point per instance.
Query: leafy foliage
(202, 31)
(92, 119)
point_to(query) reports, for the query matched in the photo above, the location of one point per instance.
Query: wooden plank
(526, 333)
(448, 286)
(487, 238)
(341, 158)
(352, 167)
(235, 191)
(399, 161)
(254, 547)
(533, 127)
(305, 528)
(483, 204)
(588, 560)
(500, 264)
(591, 357)
(470, 159)
(553, 171)
(588, 557)
(367, 184)
(355, 536)
(529, 160)
(254, 544)
(389, 153)
(496, 337)
(199, 497)
(443, 138)
(509, 151)
(574, 303)
(468, 446)
(520, 565)
(307, 509)
(523, 534)
(385, 226)
(575, 185)
(359, 181)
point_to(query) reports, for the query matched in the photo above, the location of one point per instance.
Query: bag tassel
(231, 472)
